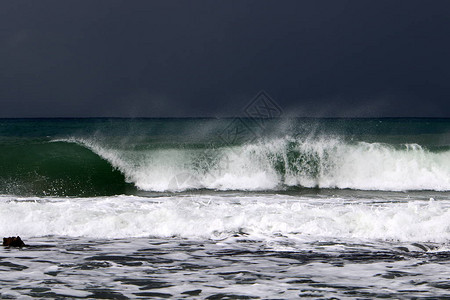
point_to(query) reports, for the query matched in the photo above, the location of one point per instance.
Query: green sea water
(95, 157)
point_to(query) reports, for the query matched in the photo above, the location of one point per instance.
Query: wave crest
(278, 163)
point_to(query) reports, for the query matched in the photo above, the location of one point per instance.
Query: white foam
(218, 217)
(324, 163)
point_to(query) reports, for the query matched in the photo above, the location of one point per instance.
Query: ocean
(232, 208)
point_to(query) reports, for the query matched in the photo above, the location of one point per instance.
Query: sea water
(225, 208)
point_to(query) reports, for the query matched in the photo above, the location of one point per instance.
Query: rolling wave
(95, 167)
(279, 163)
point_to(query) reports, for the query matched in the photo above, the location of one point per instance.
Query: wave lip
(277, 163)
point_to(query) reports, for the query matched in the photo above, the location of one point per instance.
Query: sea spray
(272, 164)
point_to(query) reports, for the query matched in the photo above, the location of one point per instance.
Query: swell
(45, 168)
(275, 164)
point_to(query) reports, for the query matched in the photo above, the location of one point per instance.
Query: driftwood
(13, 241)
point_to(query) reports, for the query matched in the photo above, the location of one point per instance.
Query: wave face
(56, 169)
(279, 163)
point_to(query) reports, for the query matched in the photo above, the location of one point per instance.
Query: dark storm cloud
(209, 58)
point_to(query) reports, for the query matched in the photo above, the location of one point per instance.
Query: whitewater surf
(177, 208)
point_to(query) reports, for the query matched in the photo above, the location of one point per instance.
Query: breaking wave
(279, 163)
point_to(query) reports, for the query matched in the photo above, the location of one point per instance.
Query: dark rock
(13, 241)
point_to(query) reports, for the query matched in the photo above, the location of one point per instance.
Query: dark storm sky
(210, 58)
